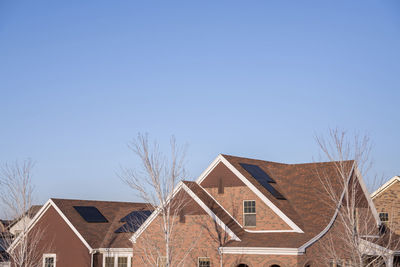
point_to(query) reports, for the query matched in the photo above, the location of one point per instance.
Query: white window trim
(117, 255)
(255, 213)
(382, 216)
(198, 260)
(49, 255)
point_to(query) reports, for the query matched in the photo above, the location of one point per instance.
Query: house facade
(245, 212)
(82, 233)
(387, 202)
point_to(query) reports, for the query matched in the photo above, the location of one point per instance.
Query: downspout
(92, 252)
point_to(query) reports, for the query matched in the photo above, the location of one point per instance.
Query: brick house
(245, 212)
(387, 202)
(85, 232)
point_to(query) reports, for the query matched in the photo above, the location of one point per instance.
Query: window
(109, 262)
(204, 262)
(162, 262)
(384, 216)
(122, 261)
(49, 260)
(249, 213)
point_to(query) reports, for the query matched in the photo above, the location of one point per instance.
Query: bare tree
(357, 240)
(155, 183)
(16, 195)
(219, 235)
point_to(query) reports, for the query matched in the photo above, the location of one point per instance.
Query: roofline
(385, 186)
(221, 158)
(38, 216)
(261, 250)
(356, 171)
(326, 229)
(180, 186)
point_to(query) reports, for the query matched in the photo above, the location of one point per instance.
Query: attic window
(249, 213)
(384, 216)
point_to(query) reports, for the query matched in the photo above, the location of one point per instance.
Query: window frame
(199, 258)
(49, 255)
(245, 213)
(116, 255)
(109, 256)
(122, 256)
(387, 215)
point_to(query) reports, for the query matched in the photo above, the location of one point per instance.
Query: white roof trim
(39, 215)
(367, 196)
(153, 215)
(247, 230)
(211, 213)
(181, 185)
(271, 205)
(260, 251)
(370, 248)
(115, 250)
(385, 186)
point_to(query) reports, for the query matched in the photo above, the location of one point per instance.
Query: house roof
(385, 186)
(306, 201)
(100, 235)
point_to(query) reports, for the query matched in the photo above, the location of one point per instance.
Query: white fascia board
(220, 158)
(326, 229)
(247, 230)
(385, 186)
(205, 173)
(370, 248)
(260, 251)
(115, 250)
(261, 196)
(181, 185)
(211, 213)
(368, 197)
(154, 215)
(39, 215)
(70, 225)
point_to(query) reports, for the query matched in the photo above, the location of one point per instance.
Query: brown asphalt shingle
(101, 235)
(306, 202)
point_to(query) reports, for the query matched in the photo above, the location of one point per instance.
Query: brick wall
(234, 192)
(388, 201)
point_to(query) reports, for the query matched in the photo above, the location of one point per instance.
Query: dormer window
(249, 213)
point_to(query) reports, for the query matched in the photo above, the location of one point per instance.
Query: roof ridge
(101, 201)
(290, 164)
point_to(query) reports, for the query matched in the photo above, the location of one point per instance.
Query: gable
(234, 193)
(57, 237)
(280, 208)
(389, 188)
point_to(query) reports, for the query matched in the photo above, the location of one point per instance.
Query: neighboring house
(251, 213)
(19, 224)
(387, 202)
(12, 228)
(85, 233)
(4, 237)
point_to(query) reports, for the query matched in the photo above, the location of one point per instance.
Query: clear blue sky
(79, 79)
